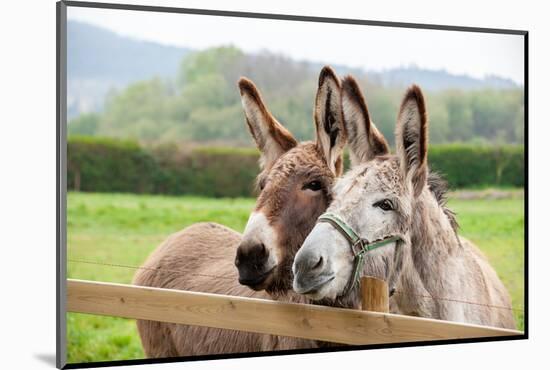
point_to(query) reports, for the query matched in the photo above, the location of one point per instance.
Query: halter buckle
(358, 247)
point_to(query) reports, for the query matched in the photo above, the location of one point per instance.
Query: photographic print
(240, 184)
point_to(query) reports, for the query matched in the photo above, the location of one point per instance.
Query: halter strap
(359, 246)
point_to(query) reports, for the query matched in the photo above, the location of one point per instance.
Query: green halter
(359, 246)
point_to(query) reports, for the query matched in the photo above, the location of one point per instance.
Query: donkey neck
(434, 242)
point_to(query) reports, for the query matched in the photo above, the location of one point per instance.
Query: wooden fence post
(375, 296)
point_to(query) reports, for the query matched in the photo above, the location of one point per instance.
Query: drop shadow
(47, 358)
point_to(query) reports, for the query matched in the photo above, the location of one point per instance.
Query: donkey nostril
(319, 263)
(263, 250)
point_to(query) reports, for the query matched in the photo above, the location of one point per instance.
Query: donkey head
(376, 198)
(294, 184)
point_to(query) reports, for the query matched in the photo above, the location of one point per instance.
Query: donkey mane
(439, 187)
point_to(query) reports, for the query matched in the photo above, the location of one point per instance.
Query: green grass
(496, 227)
(124, 229)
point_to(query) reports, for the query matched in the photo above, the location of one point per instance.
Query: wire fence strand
(457, 301)
(147, 268)
(119, 265)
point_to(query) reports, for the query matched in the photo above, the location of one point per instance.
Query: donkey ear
(329, 122)
(364, 139)
(411, 138)
(271, 137)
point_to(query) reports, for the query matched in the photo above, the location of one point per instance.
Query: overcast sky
(368, 47)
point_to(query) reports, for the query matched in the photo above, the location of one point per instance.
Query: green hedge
(108, 165)
(214, 172)
(478, 166)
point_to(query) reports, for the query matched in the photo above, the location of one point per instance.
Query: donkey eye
(313, 185)
(385, 205)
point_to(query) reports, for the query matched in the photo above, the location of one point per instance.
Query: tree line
(202, 104)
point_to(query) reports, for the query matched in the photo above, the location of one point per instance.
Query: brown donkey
(393, 197)
(294, 184)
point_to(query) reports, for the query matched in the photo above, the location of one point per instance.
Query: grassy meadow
(124, 229)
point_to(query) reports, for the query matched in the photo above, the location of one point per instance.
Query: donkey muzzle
(311, 272)
(253, 263)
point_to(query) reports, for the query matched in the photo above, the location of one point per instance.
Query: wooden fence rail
(264, 316)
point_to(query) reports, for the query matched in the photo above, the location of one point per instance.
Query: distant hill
(95, 53)
(100, 61)
(437, 80)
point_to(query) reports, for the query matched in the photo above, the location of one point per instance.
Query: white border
(27, 185)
